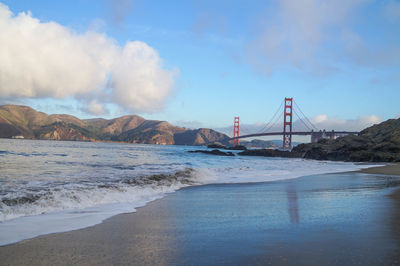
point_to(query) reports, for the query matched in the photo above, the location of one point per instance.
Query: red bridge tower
(287, 124)
(236, 131)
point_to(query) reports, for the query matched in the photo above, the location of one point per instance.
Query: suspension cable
(272, 119)
(275, 122)
(312, 125)
(301, 120)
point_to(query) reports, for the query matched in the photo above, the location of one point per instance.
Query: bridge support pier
(287, 124)
(236, 131)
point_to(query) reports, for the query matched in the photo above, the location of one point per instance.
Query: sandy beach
(333, 219)
(391, 169)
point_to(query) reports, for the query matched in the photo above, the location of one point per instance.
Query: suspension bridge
(287, 132)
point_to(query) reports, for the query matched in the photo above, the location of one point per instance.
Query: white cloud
(188, 124)
(139, 66)
(320, 118)
(39, 60)
(96, 108)
(330, 123)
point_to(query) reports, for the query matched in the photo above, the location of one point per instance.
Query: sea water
(56, 186)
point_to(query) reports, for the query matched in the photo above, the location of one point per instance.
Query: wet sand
(391, 169)
(336, 219)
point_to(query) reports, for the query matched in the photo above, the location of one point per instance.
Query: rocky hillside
(24, 121)
(201, 136)
(379, 143)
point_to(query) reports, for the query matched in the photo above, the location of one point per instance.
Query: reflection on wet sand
(293, 208)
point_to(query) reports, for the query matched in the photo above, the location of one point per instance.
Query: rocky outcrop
(220, 146)
(216, 145)
(379, 143)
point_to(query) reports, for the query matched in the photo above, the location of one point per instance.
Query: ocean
(58, 186)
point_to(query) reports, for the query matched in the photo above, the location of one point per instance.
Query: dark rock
(214, 152)
(216, 146)
(237, 148)
(220, 146)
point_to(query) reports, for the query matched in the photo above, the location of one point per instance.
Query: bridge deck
(299, 133)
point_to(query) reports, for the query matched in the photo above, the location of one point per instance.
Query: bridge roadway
(301, 133)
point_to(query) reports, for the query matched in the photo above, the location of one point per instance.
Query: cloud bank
(329, 123)
(47, 60)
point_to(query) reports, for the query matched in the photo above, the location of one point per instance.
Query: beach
(390, 169)
(331, 219)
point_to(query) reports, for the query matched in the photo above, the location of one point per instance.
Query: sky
(200, 63)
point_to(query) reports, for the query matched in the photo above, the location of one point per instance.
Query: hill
(16, 120)
(378, 143)
(259, 144)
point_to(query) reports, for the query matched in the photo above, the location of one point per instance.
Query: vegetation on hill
(64, 131)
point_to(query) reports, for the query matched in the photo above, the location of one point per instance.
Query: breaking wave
(137, 191)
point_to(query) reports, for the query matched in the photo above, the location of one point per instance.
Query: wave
(72, 194)
(137, 191)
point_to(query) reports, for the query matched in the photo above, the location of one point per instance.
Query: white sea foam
(272, 169)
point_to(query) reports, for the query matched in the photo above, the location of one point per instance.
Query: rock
(220, 146)
(214, 152)
(237, 148)
(216, 145)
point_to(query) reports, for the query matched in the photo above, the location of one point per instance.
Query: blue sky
(339, 60)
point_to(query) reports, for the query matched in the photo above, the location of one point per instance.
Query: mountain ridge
(20, 120)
